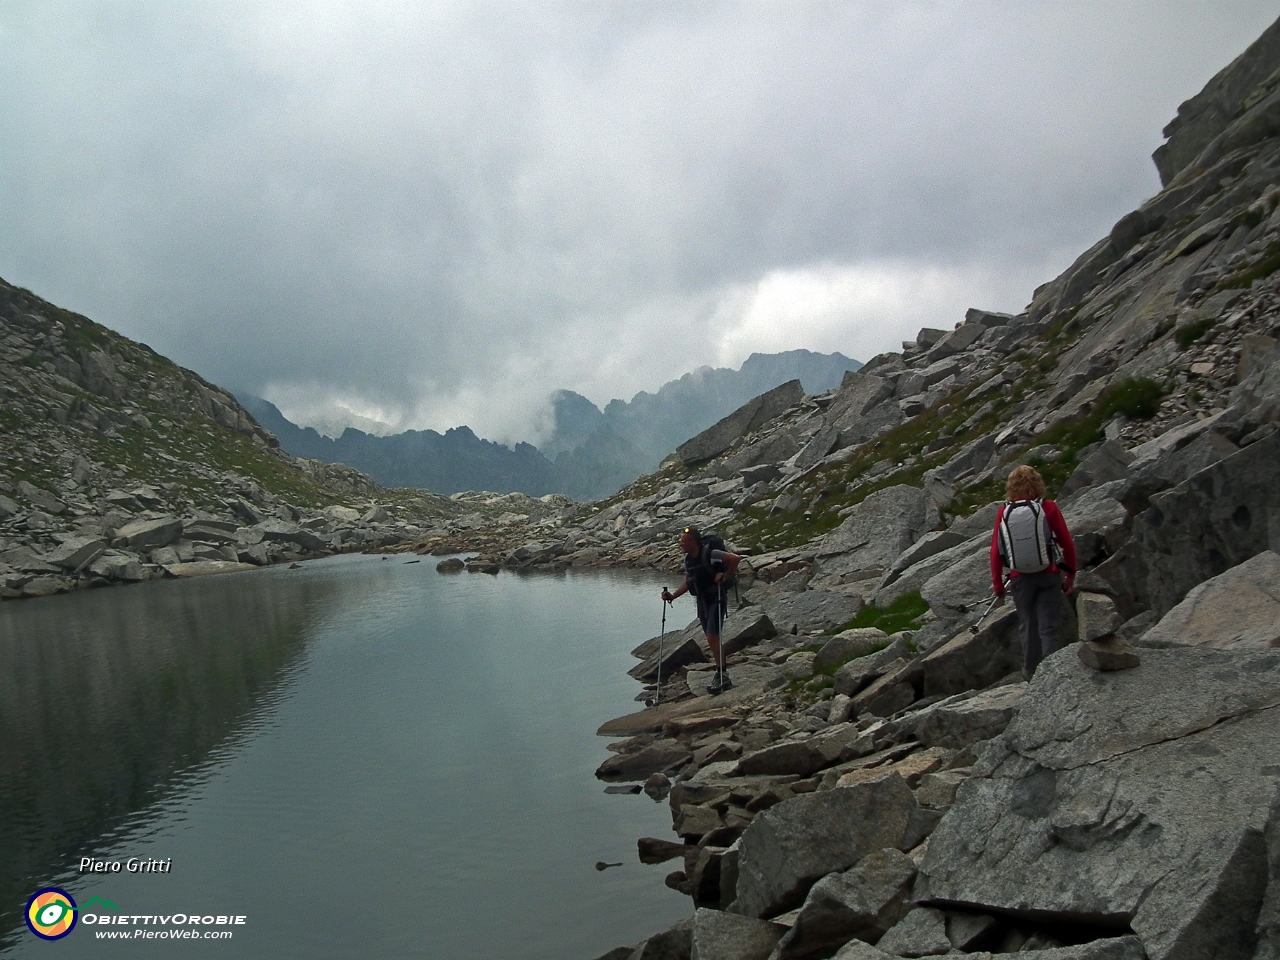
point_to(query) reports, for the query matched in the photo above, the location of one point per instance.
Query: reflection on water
(110, 699)
(314, 747)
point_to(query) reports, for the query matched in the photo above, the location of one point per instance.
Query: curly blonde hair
(1025, 483)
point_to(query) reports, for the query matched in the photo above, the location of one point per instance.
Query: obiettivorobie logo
(51, 912)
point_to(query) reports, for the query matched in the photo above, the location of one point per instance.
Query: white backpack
(1026, 543)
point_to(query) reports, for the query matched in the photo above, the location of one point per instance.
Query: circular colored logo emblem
(51, 913)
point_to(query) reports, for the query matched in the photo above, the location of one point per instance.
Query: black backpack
(702, 569)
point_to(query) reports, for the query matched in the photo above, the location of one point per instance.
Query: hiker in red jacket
(1032, 542)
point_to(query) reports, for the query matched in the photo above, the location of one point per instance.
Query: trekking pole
(720, 634)
(995, 598)
(657, 694)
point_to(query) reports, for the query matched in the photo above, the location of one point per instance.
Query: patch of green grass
(1138, 398)
(211, 446)
(1189, 333)
(761, 531)
(80, 331)
(902, 614)
(845, 485)
(979, 495)
(835, 667)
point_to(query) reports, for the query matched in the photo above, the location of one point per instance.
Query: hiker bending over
(1032, 543)
(707, 568)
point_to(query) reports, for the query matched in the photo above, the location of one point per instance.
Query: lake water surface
(362, 757)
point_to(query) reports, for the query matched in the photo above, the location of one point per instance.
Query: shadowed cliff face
(113, 702)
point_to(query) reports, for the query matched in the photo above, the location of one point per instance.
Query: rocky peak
(1235, 91)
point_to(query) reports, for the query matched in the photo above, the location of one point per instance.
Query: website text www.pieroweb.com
(178, 926)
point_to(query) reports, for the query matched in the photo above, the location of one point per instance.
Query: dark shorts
(711, 614)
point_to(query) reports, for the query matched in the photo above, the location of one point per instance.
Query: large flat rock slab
(1239, 608)
(753, 414)
(806, 611)
(794, 844)
(205, 568)
(1209, 523)
(1138, 798)
(878, 530)
(749, 682)
(149, 534)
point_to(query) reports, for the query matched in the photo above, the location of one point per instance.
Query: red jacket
(1057, 526)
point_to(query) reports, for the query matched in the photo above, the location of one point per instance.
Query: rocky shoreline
(868, 791)
(86, 538)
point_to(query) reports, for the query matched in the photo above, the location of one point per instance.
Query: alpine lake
(359, 756)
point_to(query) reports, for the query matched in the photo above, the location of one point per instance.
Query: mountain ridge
(591, 453)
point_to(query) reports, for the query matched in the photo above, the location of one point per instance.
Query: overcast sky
(435, 213)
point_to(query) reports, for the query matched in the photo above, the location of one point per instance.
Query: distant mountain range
(592, 453)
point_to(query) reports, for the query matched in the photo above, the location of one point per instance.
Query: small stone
(921, 933)
(653, 850)
(694, 822)
(938, 790)
(864, 901)
(1096, 616)
(375, 514)
(165, 556)
(44, 587)
(840, 708)
(1107, 655)
(658, 785)
(76, 552)
(799, 666)
(149, 534)
(967, 930)
(726, 936)
(41, 498)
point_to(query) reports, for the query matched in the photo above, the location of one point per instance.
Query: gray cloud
(437, 213)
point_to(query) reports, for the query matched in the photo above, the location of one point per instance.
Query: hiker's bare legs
(713, 641)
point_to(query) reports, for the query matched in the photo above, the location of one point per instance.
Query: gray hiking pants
(1038, 600)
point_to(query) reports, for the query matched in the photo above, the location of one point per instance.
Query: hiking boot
(719, 683)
